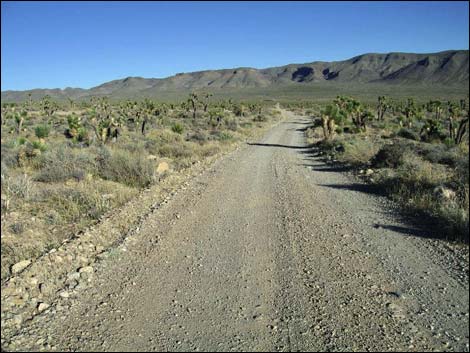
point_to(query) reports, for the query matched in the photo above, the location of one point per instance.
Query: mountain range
(446, 69)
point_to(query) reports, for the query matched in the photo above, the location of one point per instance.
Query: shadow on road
(276, 145)
(409, 231)
(328, 168)
(366, 188)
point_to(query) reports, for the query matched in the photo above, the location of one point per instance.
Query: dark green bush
(390, 156)
(42, 131)
(408, 134)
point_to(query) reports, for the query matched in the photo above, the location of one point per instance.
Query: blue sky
(84, 44)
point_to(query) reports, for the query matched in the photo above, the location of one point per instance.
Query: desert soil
(267, 250)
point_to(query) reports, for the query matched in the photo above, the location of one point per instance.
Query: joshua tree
(49, 107)
(463, 104)
(453, 112)
(238, 109)
(341, 102)
(30, 100)
(149, 111)
(20, 117)
(215, 114)
(361, 117)
(205, 101)
(329, 116)
(8, 111)
(105, 123)
(75, 130)
(432, 129)
(435, 106)
(462, 131)
(71, 102)
(410, 111)
(193, 100)
(382, 107)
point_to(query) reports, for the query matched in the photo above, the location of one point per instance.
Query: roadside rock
(163, 167)
(20, 266)
(444, 193)
(86, 269)
(42, 307)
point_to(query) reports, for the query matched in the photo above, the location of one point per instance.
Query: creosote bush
(129, 168)
(64, 163)
(390, 156)
(42, 131)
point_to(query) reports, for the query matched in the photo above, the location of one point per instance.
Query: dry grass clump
(125, 167)
(358, 152)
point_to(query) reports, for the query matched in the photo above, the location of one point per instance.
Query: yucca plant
(177, 128)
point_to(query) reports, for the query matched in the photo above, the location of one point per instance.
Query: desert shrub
(63, 163)
(53, 217)
(232, 124)
(330, 147)
(84, 201)
(155, 139)
(198, 136)
(21, 141)
(462, 170)
(9, 156)
(175, 151)
(42, 131)
(208, 150)
(225, 136)
(177, 128)
(17, 228)
(440, 153)
(408, 134)
(260, 118)
(20, 186)
(129, 168)
(132, 145)
(37, 145)
(358, 152)
(390, 156)
(414, 184)
(422, 173)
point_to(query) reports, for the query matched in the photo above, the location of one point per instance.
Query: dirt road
(268, 250)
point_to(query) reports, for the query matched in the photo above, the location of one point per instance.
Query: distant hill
(446, 69)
